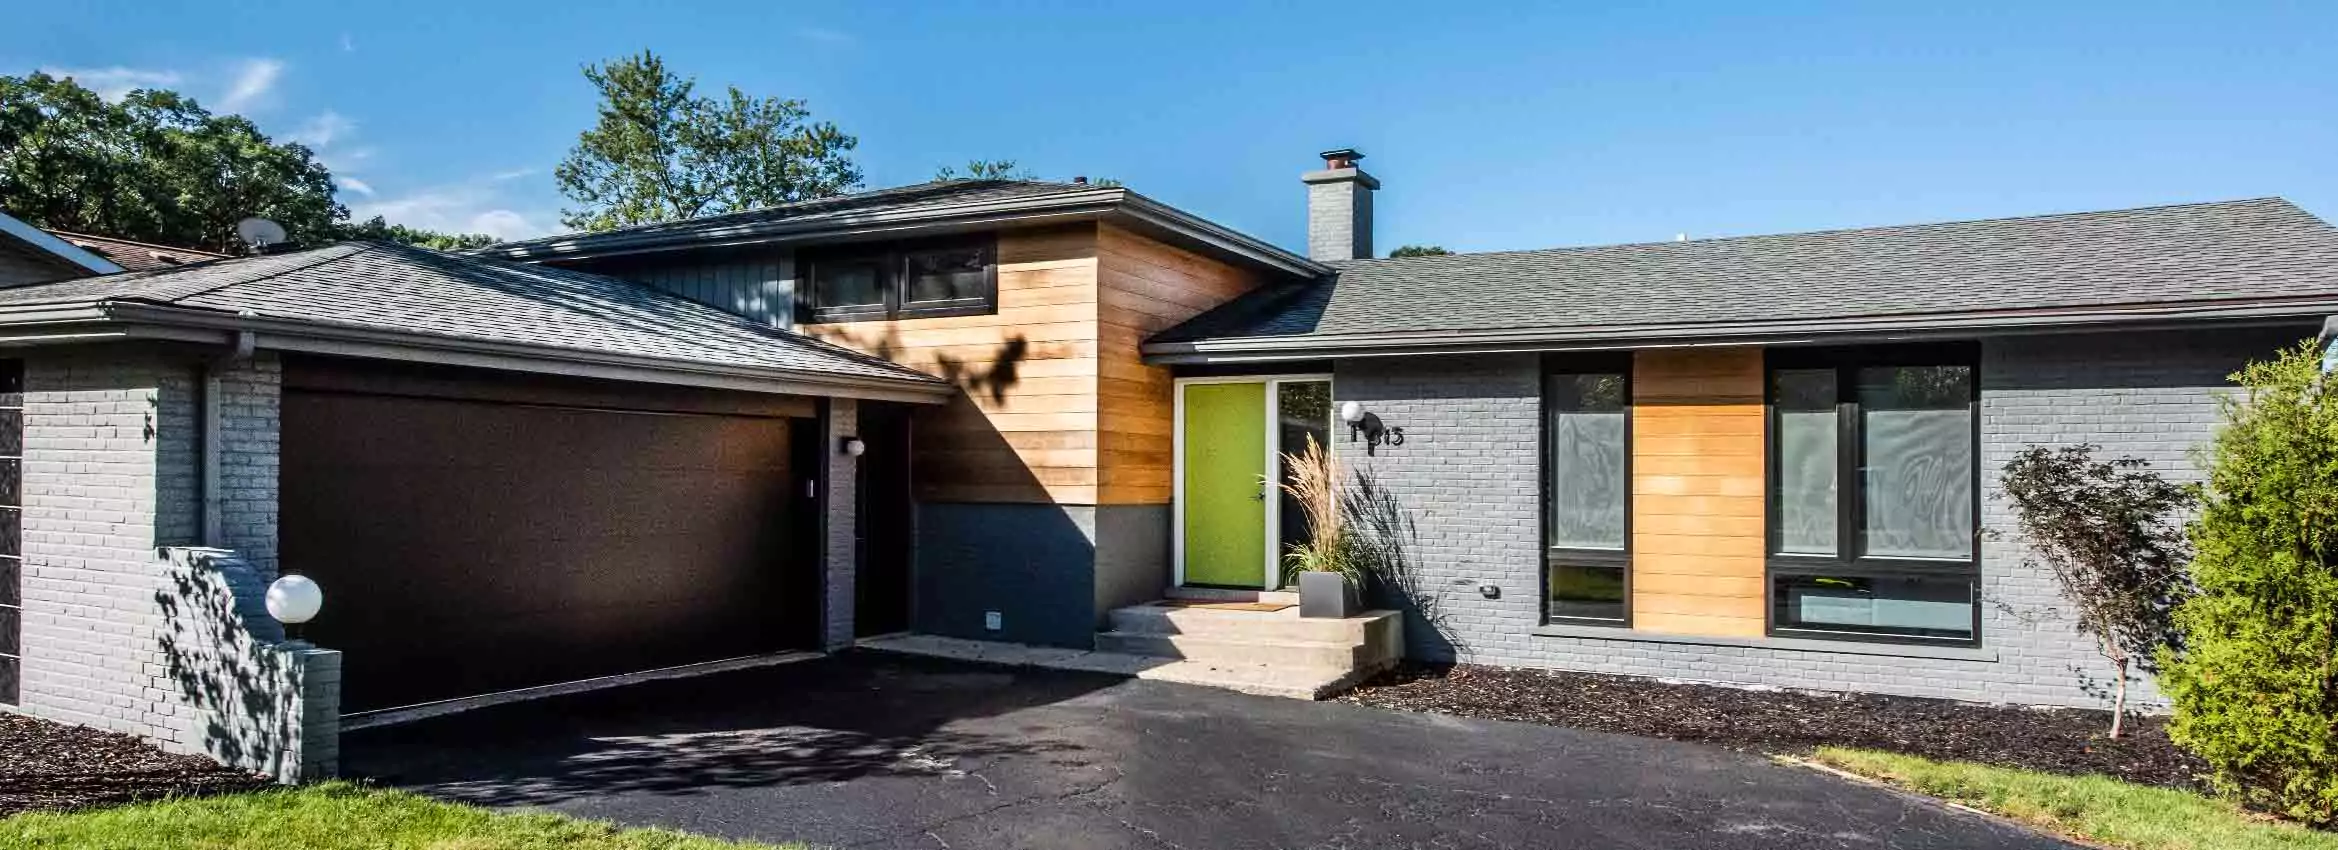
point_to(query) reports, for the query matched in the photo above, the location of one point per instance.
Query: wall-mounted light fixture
(852, 447)
(1366, 423)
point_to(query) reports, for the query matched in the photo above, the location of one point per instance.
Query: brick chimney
(1339, 208)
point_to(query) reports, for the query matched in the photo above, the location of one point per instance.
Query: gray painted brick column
(841, 545)
(127, 628)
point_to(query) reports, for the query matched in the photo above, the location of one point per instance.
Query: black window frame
(1554, 557)
(892, 264)
(1848, 558)
(12, 538)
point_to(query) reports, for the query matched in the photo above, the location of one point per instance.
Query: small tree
(2255, 682)
(1419, 251)
(662, 152)
(2103, 527)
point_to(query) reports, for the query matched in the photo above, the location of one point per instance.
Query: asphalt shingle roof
(934, 193)
(135, 256)
(2235, 250)
(415, 290)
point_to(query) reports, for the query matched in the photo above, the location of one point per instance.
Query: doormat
(1224, 606)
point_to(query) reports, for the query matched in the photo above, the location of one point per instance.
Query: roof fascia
(104, 321)
(1852, 330)
(1117, 204)
(63, 250)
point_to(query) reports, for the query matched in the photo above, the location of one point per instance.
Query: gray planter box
(1326, 596)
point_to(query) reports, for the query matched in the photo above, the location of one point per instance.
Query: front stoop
(1267, 652)
(1256, 652)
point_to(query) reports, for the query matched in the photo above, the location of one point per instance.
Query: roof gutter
(115, 320)
(1077, 205)
(1800, 332)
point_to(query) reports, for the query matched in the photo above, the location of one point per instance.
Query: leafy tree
(1419, 251)
(986, 169)
(2255, 683)
(661, 152)
(380, 230)
(2104, 528)
(155, 167)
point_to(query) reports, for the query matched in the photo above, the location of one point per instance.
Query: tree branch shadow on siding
(214, 654)
(1386, 530)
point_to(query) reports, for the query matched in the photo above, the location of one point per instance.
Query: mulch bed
(54, 766)
(2067, 741)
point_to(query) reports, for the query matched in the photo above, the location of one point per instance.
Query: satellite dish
(260, 233)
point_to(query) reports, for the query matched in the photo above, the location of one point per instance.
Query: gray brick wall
(1467, 477)
(251, 411)
(842, 554)
(90, 522)
(121, 635)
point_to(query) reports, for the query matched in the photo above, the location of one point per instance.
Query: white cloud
(825, 35)
(320, 130)
(254, 79)
(513, 174)
(353, 184)
(113, 82)
(470, 207)
(348, 44)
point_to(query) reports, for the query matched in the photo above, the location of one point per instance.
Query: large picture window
(1586, 491)
(1873, 507)
(920, 280)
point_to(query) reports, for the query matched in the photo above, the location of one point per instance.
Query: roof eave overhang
(95, 322)
(65, 252)
(1114, 204)
(1807, 332)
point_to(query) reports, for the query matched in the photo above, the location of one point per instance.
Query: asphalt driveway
(887, 752)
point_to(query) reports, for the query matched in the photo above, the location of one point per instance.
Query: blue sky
(1491, 128)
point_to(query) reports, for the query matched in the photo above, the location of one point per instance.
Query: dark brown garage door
(474, 545)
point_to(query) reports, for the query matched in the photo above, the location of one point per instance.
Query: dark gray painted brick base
(1051, 571)
(1468, 477)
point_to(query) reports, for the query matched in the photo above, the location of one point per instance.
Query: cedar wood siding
(1146, 287)
(1057, 405)
(1023, 426)
(1698, 491)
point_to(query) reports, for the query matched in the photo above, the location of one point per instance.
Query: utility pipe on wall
(239, 353)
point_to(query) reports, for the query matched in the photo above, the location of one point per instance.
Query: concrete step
(1330, 655)
(1219, 594)
(1275, 680)
(1276, 625)
(1264, 680)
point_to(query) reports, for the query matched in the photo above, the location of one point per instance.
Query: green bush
(2255, 679)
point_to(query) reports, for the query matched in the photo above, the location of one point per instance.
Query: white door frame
(1274, 449)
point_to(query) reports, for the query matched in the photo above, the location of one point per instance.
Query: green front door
(1225, 499)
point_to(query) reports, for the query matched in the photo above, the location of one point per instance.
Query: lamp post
(293, 600)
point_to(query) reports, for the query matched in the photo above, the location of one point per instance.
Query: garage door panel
(471, 546)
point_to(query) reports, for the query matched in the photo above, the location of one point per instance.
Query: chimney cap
(1341, 157)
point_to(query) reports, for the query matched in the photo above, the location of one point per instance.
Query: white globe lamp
(294, 600)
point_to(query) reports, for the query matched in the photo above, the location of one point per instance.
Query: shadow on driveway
(866, 750)
(819, 721)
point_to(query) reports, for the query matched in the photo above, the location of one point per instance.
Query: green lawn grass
(331, 816)
(2097, 809)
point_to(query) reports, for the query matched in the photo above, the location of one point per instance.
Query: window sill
(1889, 650)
